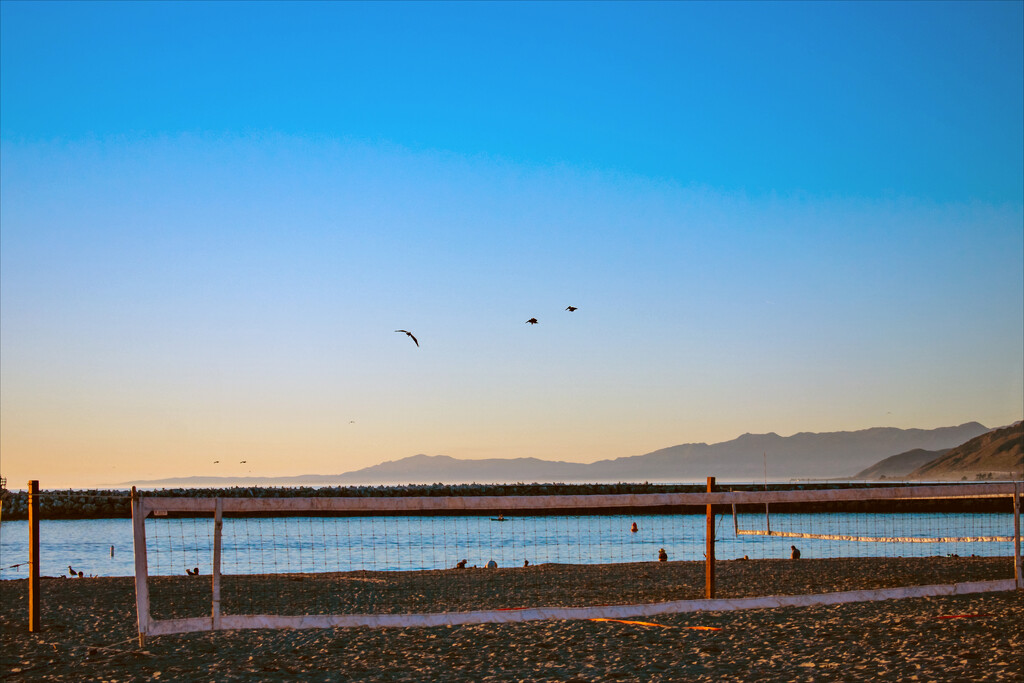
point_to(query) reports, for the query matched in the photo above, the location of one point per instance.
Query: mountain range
(998, 453)
(750, 457)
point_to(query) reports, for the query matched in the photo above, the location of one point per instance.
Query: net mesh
(444, 562)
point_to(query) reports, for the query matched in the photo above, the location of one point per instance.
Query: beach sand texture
(89, 627)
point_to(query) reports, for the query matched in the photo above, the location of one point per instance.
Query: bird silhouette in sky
(570, 308)
(410, 336)
(532, 321)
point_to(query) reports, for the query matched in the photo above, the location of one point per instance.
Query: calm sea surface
(318, 544)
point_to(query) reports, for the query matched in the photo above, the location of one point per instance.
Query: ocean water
(103, 547)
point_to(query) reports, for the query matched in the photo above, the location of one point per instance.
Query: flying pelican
(532, 321)
(410, 335)
(570, 308)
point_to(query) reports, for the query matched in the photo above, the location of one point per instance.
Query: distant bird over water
(532, 321)
(570, 308)
(410, 336)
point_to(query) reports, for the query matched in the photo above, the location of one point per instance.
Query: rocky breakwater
(116, 503)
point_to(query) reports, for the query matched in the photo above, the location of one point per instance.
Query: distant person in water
(634, 528)
(662, 555)
(795, 555)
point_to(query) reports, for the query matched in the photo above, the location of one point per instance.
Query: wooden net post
(709, 572)
(1016, 537)
(33, 556)
(218, 524)
(141, 566)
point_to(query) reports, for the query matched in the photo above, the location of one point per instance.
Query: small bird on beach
(461, 564)
(532, 321)
(526, 563)
(570, 308)
(216, 461)
(71, 571)
(662, 555)
(410, 336)
(242, 462)
(795, 555)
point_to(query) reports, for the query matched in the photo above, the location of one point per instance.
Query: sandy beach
(89, 628)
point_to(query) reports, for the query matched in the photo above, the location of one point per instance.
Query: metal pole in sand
(33, 556)
(709, 571)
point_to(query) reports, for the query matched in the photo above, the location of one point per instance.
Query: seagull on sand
(410, 335)
(570, 308)
(532, 321)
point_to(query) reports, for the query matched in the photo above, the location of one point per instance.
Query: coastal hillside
(997, 454)
(900, 465)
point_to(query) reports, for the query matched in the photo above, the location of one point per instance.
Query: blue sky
(772, 217)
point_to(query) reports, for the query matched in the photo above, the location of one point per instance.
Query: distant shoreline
(116, 503)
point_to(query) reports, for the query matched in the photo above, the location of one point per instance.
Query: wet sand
(89, 629)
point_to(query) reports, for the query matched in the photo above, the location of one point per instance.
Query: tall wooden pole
(141, 566)
(33, 556)
(1018, 571)
(709, 572)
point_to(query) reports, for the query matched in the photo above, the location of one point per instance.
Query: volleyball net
(227, 563)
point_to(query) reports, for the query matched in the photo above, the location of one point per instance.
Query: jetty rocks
(116, 503)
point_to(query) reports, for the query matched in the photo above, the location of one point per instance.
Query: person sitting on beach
(461, 564)
(634, 528)
(662, 555)
(795, 555)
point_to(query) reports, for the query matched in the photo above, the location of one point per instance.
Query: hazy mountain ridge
(900, 465)
(997, 453)
(802, 455)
